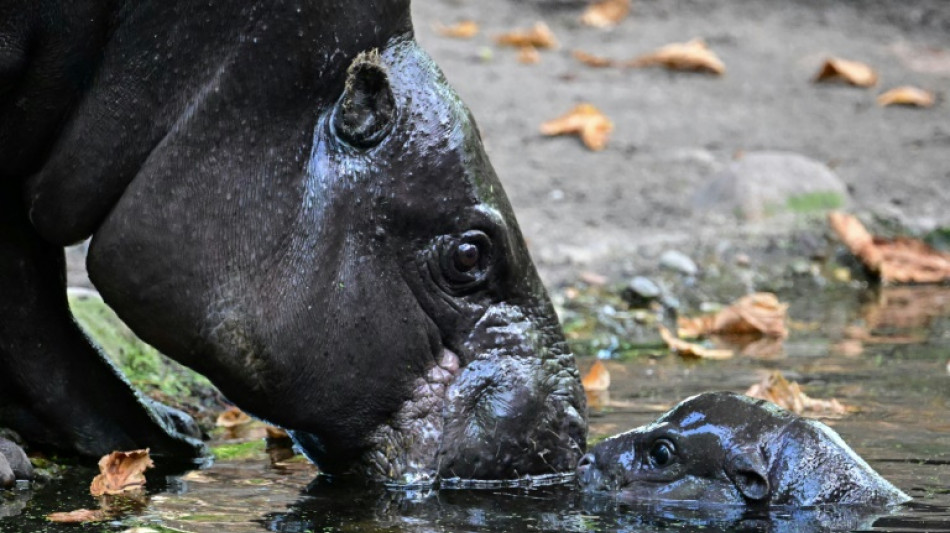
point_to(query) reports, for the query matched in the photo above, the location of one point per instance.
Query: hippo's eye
(466, 256)
(662, 453)
(466, 260)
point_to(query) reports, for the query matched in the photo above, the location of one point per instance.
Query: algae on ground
(142, 364)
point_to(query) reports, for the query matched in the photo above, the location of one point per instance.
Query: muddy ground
(615, 211)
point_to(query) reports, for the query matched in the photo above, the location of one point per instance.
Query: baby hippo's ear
(748, 471)
(365, 113)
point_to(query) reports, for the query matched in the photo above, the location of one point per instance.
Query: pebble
(644, 287)
(678, 261)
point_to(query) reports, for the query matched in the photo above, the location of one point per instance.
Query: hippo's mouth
(499, 420)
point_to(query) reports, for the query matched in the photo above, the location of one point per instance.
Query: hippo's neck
(812, 465)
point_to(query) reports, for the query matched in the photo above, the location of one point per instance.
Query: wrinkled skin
(289, 198)
(725, 448)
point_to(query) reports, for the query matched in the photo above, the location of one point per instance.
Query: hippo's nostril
(587, 462)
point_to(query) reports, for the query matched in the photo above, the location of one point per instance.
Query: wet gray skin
(14, 464)
(725, 448)
(289, 198)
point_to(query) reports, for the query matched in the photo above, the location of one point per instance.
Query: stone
(679, 262)
(763, 184)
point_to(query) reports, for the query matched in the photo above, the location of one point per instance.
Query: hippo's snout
(587, 473)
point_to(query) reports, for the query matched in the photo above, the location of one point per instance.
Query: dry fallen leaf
(606, 13)
(121, 472)
(788, 395)
(843, 70)
(758, 313)
(900, 260)
(540, 36)
(597, 378)
(693, 55)
(528, 55)
(906, 95)
(585, 120)
(232, 417)
(79, 516)
(465, 29)
(592, 60)
(688, 349)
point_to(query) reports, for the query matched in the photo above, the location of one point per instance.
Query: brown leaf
(232, 417)
(688, 349)
(593, 278)
(591, 60)
(540, 36)
(906, 95)
(759, 313)
(121, 472)
(597, 378)
(585, 120)
(465, 29)
(529, 55)
(788, 395)
(606, 13)
(79, 516)
(692, 56)
(851, 72)
(900, 260)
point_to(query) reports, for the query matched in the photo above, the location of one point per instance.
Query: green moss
(814, 202)
(145, 367)
(244, 450)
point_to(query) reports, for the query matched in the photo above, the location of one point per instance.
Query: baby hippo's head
(726, 448)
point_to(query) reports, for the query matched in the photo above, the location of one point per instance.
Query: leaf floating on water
(606, 13)
(232, 417)
(591, 60)
(79, 516)
(906, 95)
(584, 120)
(597, 378)
(465, 29)
(690, 56)
(851, 72)
(900, 260)
(689, 349)
(788, 395)
(759, 313)
(540, 36)
(121, 472)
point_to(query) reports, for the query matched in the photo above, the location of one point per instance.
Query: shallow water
(899, 385)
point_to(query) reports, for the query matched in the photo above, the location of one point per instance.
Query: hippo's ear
(748, 471)
(366, 112)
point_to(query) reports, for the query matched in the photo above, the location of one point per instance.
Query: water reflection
(340, 508)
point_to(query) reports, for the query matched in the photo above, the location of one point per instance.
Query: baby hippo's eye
(662, 453)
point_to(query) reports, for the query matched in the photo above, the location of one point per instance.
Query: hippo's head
(304, 212)
(726, 448)
(432, 293)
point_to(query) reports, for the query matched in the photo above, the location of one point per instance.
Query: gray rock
(679, 262)
(641, 291)
(762, 184)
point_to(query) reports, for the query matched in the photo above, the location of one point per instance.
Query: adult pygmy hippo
(286, 196)
(722, 447)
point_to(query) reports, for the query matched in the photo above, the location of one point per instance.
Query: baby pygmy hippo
(726, 448)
